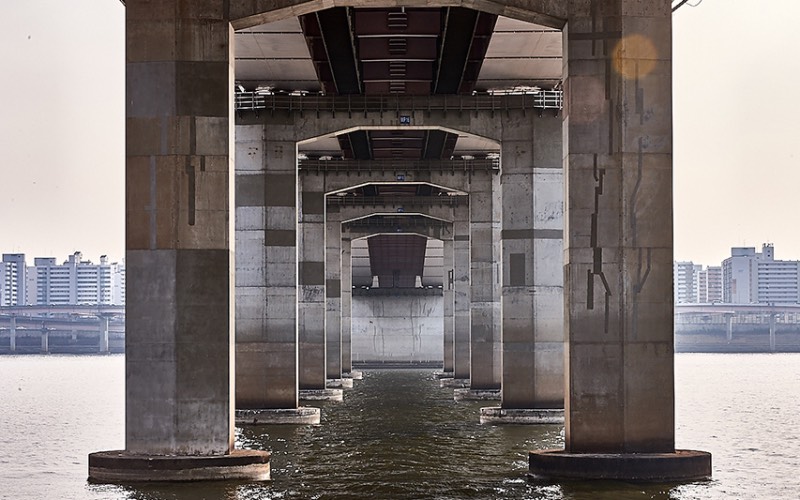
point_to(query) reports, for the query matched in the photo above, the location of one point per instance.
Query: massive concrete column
(266, 279)
(485, 267)
(347, 301)
(461, 293)
(311, 282)
(448, 304)
(179, 249)
(333, 296)
(618, 253)
(533, 324)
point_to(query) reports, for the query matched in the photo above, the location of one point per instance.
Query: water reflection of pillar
(45, 340)
(13, 339)
(729, 326)
(772, 332)
(104, 320)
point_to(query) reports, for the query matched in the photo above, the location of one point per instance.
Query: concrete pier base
(454, 382)
(526, 416)
(339, 383)
(682, 465)
(125, 467)
(304, 415)
(476, 394)
(321, 395)
(441, 375)
(353, 374)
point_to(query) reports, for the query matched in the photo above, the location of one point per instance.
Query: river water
(398, 435)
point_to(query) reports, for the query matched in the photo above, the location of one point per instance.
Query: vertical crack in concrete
(597, 252)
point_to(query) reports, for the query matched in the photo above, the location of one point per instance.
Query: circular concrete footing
(339, 383)
(476, 394)
(682, 465)
(321, 395)
(454, 382)
(527, 416)
(303, 415)
(441, 375)
(353, 374)
(124, 467)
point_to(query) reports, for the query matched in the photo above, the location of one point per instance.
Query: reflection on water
(398, 435)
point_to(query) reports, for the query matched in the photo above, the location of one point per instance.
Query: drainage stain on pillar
(597, 261)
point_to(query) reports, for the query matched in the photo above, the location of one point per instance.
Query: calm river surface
(398, 435)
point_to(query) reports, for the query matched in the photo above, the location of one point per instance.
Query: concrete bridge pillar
(266, 279)
(179, 250)
(461, 294)
(533, 333)
(448, 281)
(311, 303)
(347, 301)
(485, 290)
(620, 420)
(333, 294)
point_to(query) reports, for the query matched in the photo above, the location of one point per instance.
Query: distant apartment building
(751, 277)
(695, 285)
(13, 280)
(686, 282)
(75, 281)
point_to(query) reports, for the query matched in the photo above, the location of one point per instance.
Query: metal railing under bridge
(544, 99)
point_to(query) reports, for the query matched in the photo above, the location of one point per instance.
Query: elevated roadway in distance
(76, 310)
(723, 308)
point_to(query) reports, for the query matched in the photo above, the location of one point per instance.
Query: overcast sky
(736, 107)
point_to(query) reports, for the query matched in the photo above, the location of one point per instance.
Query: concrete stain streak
(597, 251)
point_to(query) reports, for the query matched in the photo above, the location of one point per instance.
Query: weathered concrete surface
(266, 271)
(618, 257)
(311, 282)
(532, 239)
(347, 300)
(397, 328)
(333, 293)
(521, 416)
(485, 208)
(322, 395)
(454, 382)
(179, 176)
(126, 467)
(679, 465)
(461, 293)
(469, 394)
(304, 415)
(339, 383)
(448, 304)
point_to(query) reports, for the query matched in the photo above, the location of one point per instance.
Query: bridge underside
(237, 293)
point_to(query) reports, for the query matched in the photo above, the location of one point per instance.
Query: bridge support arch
(179, 242)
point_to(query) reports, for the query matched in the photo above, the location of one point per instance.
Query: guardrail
(391, 165)
(545, 99)
(404, 201)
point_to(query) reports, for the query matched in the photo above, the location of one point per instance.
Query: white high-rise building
(77, 281)
(13, 279)
(751, 277)
(686, 287)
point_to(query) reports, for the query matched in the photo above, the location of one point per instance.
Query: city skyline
(63, 128)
